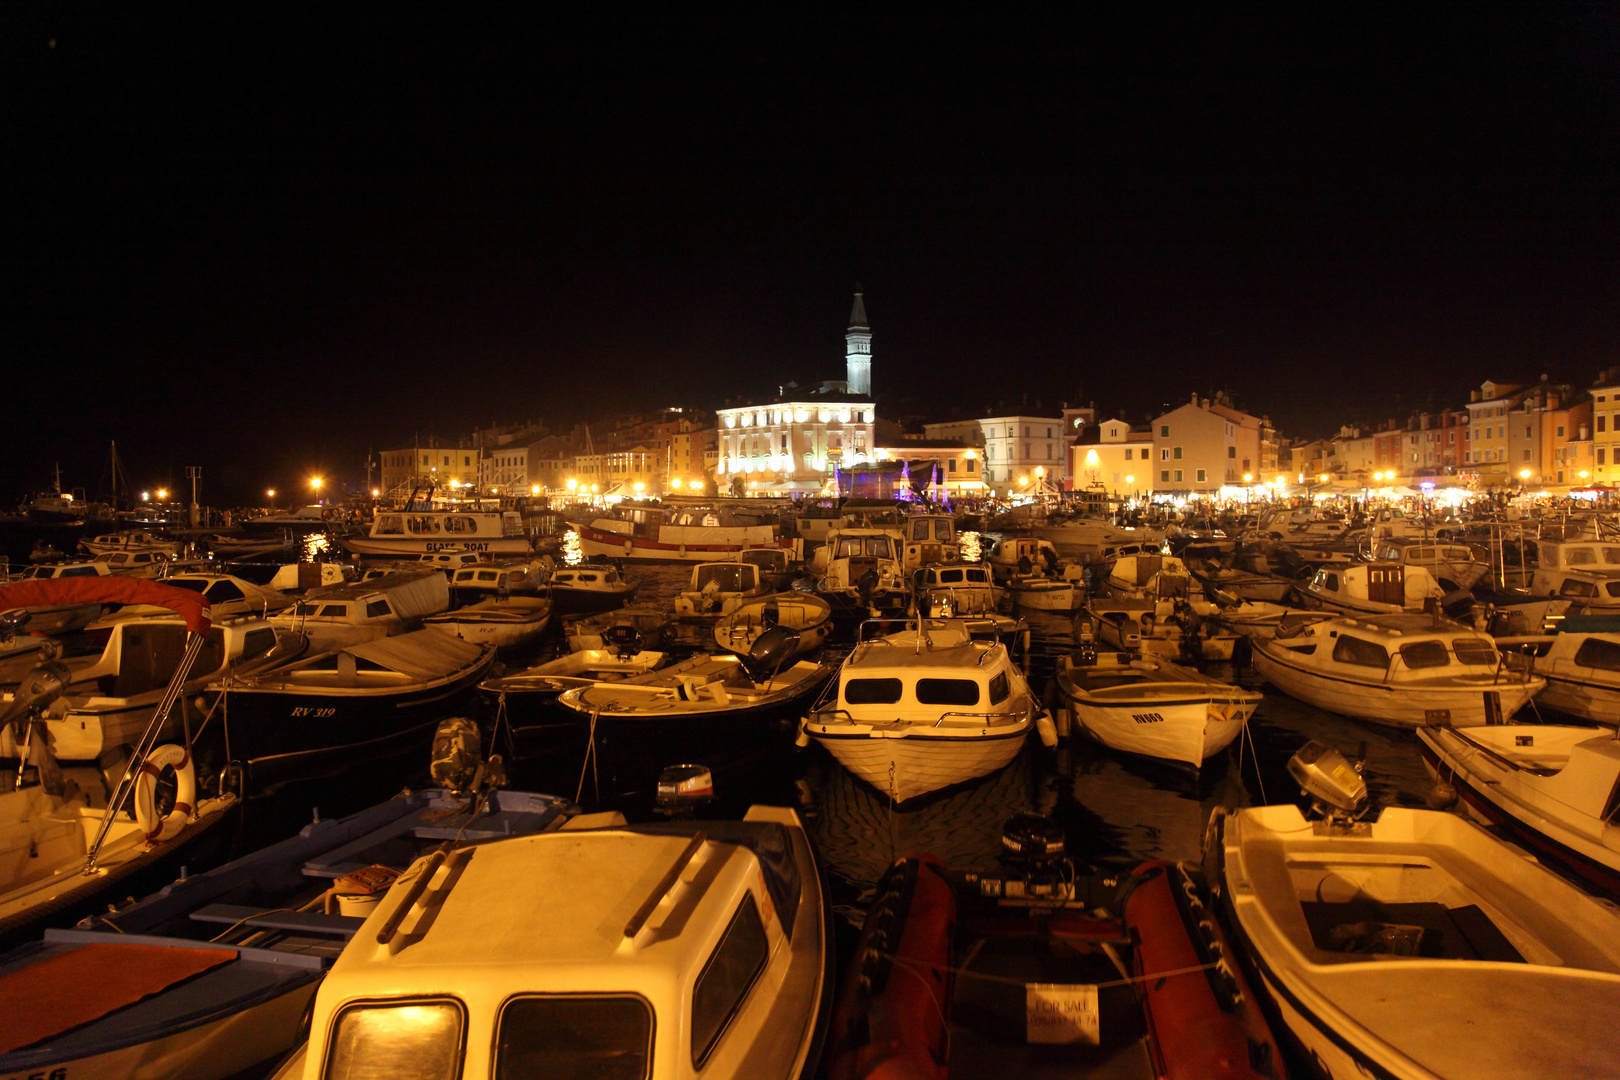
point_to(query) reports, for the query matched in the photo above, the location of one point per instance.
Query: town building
(1020, 450)
(450, 467)
(1205, 444)
(1605, 430)
(955, 463)
(1113, 456)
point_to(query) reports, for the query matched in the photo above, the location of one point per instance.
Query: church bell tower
(858, 348)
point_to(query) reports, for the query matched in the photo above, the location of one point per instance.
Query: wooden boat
(337, 616)
(1151, 706)
(481, 581)
(501, 622)
(651, 622)
(1414, 946)
(924, 709)
(322, 711)
(1554, 789)
(929, 539)
(1402, 670)
(227, 596)
(1452, 564)
(805, 614)
(590, 587)
(678, 950)
(210, 976)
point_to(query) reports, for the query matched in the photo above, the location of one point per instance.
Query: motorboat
(776, 566)
(1150, 706)
(1553, 788)
(1090, 538)
(1413, 945)
(137, 564)
(926, 708)
(590, 587)
(1566, 567)
(651, 621)
(806, 614)
(677, 533)
(227, 595)
(523, 704)
(503, 622)
(304, 519)
(1452, 564)
(109, 543)
(237, 547)
(211, 976)
(723, 710)
(929, 538)
(304, 576)
(1403, 670)
(427, 531)
(965, 591)
(360, 701)
(336, 616)
(861, 572)
(679, 949)
(1581, 664)
(1022, 556)
(481, 581)
(1063, 593)
(48, 619)
(1371, 589)
(717, 588)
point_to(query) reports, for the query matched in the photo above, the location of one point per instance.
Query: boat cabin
(495, 579)
(1410, 646)
(338, 615)
(674, 951)
(66, 570)
(1371, 588)
(1023, 555)
(226, 595)
(452, 525)
(592, 576)
(951, 679)
(1160, 576)
(141, 564)
(718, 587)
(929, 538)
(1455, 562)
(1587, 589)
(1584, 557)
(944, 591)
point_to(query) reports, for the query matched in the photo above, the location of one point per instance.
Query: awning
(112, 589)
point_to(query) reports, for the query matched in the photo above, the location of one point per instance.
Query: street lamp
(375, 492)
(314, 482)
(163, 493)
(1248, 478)
(146, 496)
(1524, 474)
(572, 484)
(534, 489)
(640, 487)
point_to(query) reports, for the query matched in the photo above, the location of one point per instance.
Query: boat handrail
(664, 885)
(989, 717)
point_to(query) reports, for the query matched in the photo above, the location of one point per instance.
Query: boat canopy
(425, 654)
(53, 592)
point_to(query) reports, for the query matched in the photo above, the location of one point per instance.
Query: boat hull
(1584, 698)
(1188, 731)
(907, 764)
(711, 546)
(405, 547)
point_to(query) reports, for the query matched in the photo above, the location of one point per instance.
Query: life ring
(185, 796)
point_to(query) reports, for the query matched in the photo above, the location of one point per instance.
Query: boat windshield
(608, 1036)
(408, 1040)
(725, 577)
(854, 547)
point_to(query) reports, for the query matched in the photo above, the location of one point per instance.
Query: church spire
(858, 348)
(857, 313)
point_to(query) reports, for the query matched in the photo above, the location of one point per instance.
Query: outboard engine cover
(38, 689)
(773, 650)
(457, 754)
(623, 639)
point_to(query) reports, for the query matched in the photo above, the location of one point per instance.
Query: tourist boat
(1371, 589)
(482, 581)
(1403, 670)
(929, 538)
(88, 754)
(652, 622)
(503, 622)
(415, 532)
(1416, 945)
(1554, 789)
(1581, 664)
(336, 616)
(211, 976)
(924, 709)
(128, 541)
(361, 701)
(590, 587)
(717, 588)
(1453, 565)
(861, 572)
(1152, 707)
(692, 948)
(680, 533)
(804, 613)
(722, 710)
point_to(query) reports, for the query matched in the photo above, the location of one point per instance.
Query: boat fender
(803, 739)
(1048, 729)
(628, 546)
(185, 796)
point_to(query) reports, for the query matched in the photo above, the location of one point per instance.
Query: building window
(1164, 455)
(1127, 453)
(1600, 455)
(1603, 421)
(1164, 475)
(1178, 476)
(1527, 455)
(1200, 476)
(1164, 429)
(1177, 453)
(950, 466)
(1560, 431)
(970, 465)
(1231, 451)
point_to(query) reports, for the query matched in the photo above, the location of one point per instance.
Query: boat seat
(304, 922)
(1460, 933)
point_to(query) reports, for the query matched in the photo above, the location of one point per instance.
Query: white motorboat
(503, 622)
(1036, 592)
(137, 564)
(1091, 538)
(925, 709)
(672, 950)
(1403, 670)
(1446, 561)
(226, 594)
(64, 618)
(422, 531)
(652, 623)
(1581, 664)
(337, 616)
(1151, 706)
(1022, 556)
(1371, 589)
(861, 572)
(964, 591)
(929, 539)
(1554, 789)
(676, 533)
(804, 613)
(591, 587)
(1416, 946)
(1578, 570)
(481, 581)
(716, 588)
(128, 541)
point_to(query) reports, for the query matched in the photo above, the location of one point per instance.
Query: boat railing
(991, 719)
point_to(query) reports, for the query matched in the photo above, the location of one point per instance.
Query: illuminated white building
(795, 443)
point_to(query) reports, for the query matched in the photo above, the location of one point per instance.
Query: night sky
(267, 239)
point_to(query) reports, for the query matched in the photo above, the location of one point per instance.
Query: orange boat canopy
(56, 592)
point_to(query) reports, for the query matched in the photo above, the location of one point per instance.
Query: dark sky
(265, 239)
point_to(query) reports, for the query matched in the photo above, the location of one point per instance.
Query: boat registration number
(54, 1074)
(1147, 718)
(310, 710)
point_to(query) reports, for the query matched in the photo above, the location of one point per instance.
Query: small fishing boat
(210, 976)
(861, 572)
(1554, 789)
(481, 581)
(227, 595)
(523, 704)
(501, 622)
(1416, 945)
(1371, 589)
(776, 566)
(682, 949)
(128, 542)
(1453, 565)
(590, 587)
(651, 621)
(1023, 556)
(805, 614)
(237, 547)
(1151, 706)
(924, 709)
(1402, 670)
(1036, 592)
(337, 616)
(929, 539)
(1581, 664)
(717, 588)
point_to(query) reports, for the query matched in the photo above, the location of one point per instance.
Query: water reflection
(313, 546)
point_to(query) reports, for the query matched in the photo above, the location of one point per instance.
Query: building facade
(1020, 449)
(1115, 457)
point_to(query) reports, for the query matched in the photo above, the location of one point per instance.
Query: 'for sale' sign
(1061, 1013)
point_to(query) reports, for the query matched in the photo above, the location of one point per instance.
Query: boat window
(919, 530)
(563, 575)
(389, 525)
(258, 642)
(947, 692)
(603, 1036)
(999, 689)
(302, 610)
(1420, 555)
(223, 591)
(1328, 581)
(190, 584)
(977, 575)
(1580, 556)
(464, 575)
(726, 577)
(1571, 587)
(1612, 588)
(1351, 650)
(402, 1040)
(1598, 653)
(872, 691)
(724, 982)
(948, 577)
(335, 611)
(378, 609)
(586, 577)
(1474, 651)
(487, 575)
(1423, 654)
(1611, 556)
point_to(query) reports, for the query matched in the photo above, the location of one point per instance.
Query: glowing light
(595, 488)
(163, 493)
(572, 484)
(1130, 479)
(314, 482)
(1524, 474)
(1248, 478)
(640, 486)
(271, 493)
(534, 489)
(1040, 470)
(147, 495)
(375, 492)
(1323, 478)
(1583, 474)
(971, 455)
(1091, 458)
(1023, 481)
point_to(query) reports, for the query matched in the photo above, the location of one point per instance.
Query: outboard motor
(623, 639)
(1335, 786)
(682, 789)
(13, 621)
(1033, 850)
(772, 651)
(866, 585)
(1457, 604)
(458, 764)
(1085, 641)
(38, 689)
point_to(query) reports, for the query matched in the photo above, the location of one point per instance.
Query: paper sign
(1061, 1013)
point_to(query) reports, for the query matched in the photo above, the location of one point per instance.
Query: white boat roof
(424, 654)
(1401, 625)
(951, 647)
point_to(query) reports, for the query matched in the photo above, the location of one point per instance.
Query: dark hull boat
(363, 701)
